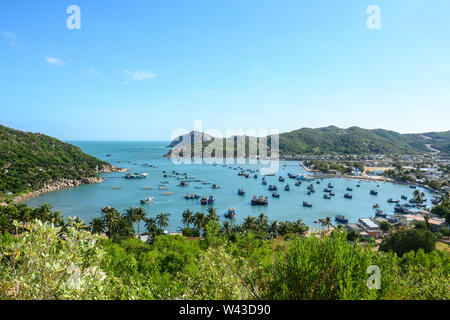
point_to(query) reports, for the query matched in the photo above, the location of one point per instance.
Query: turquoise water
(86, 201)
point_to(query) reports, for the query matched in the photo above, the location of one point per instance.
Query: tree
(273, 229)
(199, 221)
(97, 225)
(226, 227)
(300, 227)
(250, 223)
(404, 241)
(188, 217)
(212, 215)
(112, 220)
(327, 222)
(263, 222)
(162, 220)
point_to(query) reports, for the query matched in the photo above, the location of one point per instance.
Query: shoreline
(65, 184)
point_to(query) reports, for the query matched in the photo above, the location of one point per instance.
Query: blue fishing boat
(273, 188)
(341, 219)
(298, 183)
(326, 196)
(241, 192)
(261, 201)
(379, 213)
(275, 195)
(281, 179)
(348, 196)
(349, 189)
(286, 188)
(211, 200)
(373, 192)
(307, 204)
(230, 214)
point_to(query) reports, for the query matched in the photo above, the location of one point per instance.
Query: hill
(353, 140)
(31, 161)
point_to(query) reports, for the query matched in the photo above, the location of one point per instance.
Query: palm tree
(418, 196)
(301, 227)
(188, 217)
(199, 221)
(273, 229)
(162, 220)
(327, 222)
(212, 216)
(262, 221)
(249, 223)
(112, 219)
(140, 215)
(97, 225)
(226, 227)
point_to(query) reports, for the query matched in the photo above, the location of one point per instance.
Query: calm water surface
(86, 201)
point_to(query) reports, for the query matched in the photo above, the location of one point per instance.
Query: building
(368, 224)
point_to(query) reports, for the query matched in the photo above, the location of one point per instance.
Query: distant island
(33, 163)
(334, 140)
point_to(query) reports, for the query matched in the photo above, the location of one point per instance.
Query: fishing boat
(373, 192)
(330, 185)
(307, 204)
(230, 214)
(379, 213)
(309, 193)
(116, 188)
(318, 182)
(348, 196)
(147, 188)
(255, 176)
(273, 188)
(298, 183)
(203, 201)
(390, 200)
(349, 189)
(275, 195)
(281, 179)
(358, 185)
(183, 184)
(326, 190)
(261, 201)
(332, 193)
(241, 192)
(135, 176)
(375, 206)
(148, 200)
(326, 196)
(405, 197)
(310, 187)
(269, 174)
(412, 186)
(292, 176)
(286, 188)
(211, 200)
(341, 219)
(399, 208)
(264, 182)
(215, 186)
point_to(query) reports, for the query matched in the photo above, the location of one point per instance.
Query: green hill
(353, 140)
(29, 161)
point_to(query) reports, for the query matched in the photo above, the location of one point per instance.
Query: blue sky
(137, 70)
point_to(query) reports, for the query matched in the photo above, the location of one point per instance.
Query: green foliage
(322, 268)
(28, 161)
(404, 241)
(47, 262)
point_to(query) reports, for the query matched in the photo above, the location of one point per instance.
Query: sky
(141, 69)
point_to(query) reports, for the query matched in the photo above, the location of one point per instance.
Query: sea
(86, 201)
